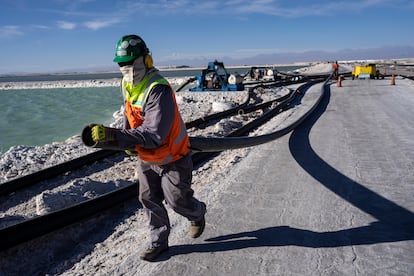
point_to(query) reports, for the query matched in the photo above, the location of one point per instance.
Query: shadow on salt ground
(394, 224)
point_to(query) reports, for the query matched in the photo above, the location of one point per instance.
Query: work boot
(197, 228)
(152, 252)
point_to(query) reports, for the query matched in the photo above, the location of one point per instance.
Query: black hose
(185, 83)
(216, 144)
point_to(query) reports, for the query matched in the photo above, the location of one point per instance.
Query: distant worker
(154, 129)
(335, 67)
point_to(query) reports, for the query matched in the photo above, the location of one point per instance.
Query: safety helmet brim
(119, 59)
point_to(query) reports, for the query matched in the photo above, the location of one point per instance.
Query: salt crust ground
(118, 235)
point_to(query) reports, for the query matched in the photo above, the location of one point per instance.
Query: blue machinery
(216, 78)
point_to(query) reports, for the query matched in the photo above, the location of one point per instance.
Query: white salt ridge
(115, 82)
(219, 107)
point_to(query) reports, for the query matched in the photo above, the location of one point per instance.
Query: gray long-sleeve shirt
(158, 116)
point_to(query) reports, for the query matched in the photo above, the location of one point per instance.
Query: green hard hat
(130, 47)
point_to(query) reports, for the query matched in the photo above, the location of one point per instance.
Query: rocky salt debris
(194, 105)
(23, 160)
(83, 188)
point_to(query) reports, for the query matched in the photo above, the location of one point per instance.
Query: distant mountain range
(380, 53)
(389, 52)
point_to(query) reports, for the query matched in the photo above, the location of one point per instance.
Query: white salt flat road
(334, 197)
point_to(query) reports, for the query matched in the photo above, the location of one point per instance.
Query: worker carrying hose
(155, 131)
(335, 68)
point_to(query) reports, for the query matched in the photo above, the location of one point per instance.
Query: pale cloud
(280, 8)
(277, 8)
(66, 25)
(298, 9)
(10, 31)
(99, 24)
(42, 27)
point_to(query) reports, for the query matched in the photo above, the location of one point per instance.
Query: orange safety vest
(176, 144)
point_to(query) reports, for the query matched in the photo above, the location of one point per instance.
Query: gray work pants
(171, 182)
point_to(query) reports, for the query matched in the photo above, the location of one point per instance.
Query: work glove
(100, 133)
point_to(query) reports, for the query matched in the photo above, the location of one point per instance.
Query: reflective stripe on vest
(176, 144)
(135, 97)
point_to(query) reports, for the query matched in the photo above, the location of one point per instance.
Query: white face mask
(134, 73)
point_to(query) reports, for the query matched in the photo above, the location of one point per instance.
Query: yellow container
(365, 72)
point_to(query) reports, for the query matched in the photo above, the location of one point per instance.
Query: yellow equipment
(366, 72)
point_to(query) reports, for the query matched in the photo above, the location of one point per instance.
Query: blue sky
(57, 35)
